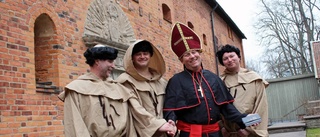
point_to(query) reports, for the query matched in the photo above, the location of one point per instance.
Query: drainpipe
(215, 46)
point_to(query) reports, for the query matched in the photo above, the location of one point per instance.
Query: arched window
(204, 38)
(190, 25)
(45, 51)
(166, 12)
(230, 33)
(137, 1)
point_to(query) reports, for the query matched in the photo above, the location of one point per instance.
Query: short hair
(143, 46)
(100, 52)
(227, 48)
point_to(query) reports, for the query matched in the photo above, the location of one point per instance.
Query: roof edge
(220, 11)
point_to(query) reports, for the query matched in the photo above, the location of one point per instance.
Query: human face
(141, 60)
(231, 61)
(191, 60)
(105, 67)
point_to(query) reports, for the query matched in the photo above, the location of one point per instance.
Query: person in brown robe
(145, 67)
(248, 90)
(96, 106)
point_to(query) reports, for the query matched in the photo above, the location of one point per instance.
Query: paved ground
(289, 134)
(289, 125)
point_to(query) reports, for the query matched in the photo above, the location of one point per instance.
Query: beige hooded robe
(248, 90)
(150, 91)
(96, 108)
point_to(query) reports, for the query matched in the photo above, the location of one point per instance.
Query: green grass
(313, 132)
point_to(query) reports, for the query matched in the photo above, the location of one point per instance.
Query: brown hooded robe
(97, 108)
(150, 91)
(248, 90)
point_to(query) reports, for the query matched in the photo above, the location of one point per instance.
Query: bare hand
(243, 133)
(224, 132)
(172, 133)
(167, 127)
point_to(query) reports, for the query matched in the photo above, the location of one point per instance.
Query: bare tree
(286, 28)
(257, 66)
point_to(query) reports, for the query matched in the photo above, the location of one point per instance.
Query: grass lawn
(313, 132)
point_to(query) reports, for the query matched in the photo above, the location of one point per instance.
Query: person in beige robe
(96, 106)
(145, 66)
(248, 90)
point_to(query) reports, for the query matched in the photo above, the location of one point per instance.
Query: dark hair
(100, 53)
(227, 48)
(143, 46)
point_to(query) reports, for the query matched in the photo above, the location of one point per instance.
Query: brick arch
(44, 26)
(45, 45)
(45, 41)
(41, 8)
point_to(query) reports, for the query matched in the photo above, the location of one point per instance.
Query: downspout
(215, 46)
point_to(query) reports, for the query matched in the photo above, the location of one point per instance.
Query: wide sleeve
(149, 123)
(174, 99)
(74, 125)
(261, 107)
(231, 114)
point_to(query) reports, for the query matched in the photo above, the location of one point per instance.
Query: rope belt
(197, 130)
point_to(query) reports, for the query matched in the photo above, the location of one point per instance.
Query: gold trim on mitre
(184, 39)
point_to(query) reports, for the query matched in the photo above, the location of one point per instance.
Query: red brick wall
(316, 54)
(221, 32)
(26, 112)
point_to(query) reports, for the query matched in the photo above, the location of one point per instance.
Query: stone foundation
(312, 121)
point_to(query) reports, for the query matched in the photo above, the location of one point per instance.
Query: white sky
(242, 13)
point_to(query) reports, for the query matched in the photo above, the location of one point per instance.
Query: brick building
(316, 62)
(316, 58)
(42, 45)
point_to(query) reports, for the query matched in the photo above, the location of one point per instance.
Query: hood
(90, 84)
(246, 76)
(156, 64)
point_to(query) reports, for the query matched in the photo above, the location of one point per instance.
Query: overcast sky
(242, 13)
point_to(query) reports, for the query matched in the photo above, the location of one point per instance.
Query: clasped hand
(169, 127)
